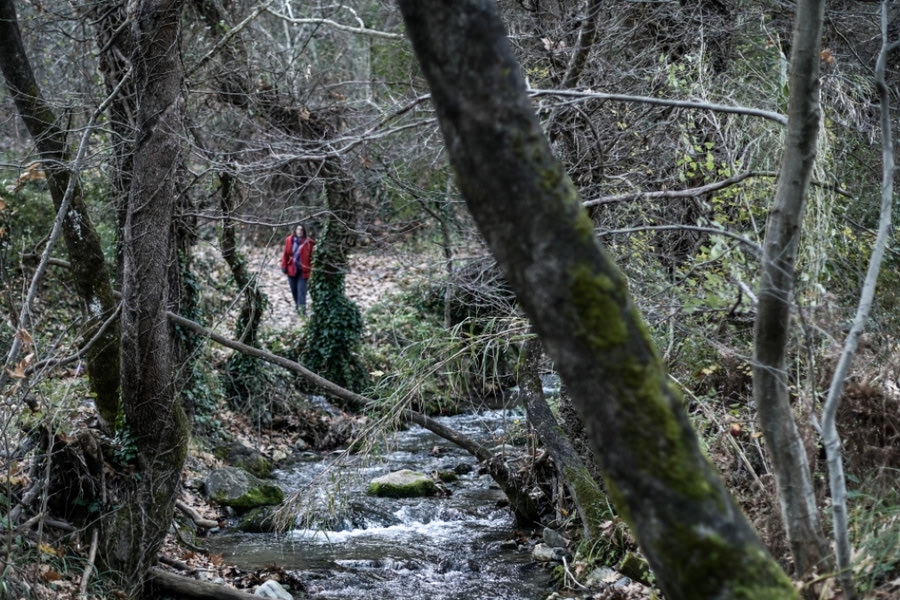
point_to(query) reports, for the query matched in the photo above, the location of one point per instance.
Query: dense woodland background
(183, 140)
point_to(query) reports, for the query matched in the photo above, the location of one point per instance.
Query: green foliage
(876, 529)
(613, 543)
(245, 379)
(417, 359)
(123, 449)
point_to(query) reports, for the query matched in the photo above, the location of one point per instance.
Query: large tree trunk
(770, 378)
(133, 534)
(698, 542)
(89, 272)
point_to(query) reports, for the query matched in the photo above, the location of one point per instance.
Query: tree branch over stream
(520, 501)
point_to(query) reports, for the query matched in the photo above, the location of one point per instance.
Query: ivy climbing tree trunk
(89, 272)
(770, 379)
(336, 326)
(695, 537)
(134, 530)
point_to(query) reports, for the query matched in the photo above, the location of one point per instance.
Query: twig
(90, 564)
(194, 516)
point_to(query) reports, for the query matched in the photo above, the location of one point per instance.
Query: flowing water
(451, 547)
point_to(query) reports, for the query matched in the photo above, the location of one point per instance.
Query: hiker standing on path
(296, 262)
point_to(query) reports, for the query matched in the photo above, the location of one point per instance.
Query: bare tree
(88, 268)
(770, 381)
(695, 537)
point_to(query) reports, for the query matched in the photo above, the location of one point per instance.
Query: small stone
(273, 590)
(544, 553)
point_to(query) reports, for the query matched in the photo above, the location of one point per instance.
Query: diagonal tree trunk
(88, 268)
(583, 488)
(698, 543)
(770, 380)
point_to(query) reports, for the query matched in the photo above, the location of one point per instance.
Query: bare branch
(361, 30)
(227, 37)
(750, 244)
(577, 96)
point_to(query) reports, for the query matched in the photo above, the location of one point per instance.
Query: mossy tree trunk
(133, 534)
(336, 327)
(88, 267)
(694, 535)
(770, 379)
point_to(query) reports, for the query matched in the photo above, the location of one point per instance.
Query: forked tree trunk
(695, 537)
(133, 534)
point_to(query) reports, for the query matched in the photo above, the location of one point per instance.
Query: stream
(451, 547)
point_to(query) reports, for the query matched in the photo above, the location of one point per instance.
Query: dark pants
(298, 289)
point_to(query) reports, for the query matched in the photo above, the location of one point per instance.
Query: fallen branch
(521, 503)
(181, 586)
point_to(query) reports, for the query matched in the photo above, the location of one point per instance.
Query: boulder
(403, 484)
(259, 520)
(249, 459)
(554, 539)
(239, 489)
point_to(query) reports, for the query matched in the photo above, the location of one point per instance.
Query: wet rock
(234, 487)
(554, 539)
(447, 476)
(273, 590)
(259, 520)
(403, 484)
(544, 553)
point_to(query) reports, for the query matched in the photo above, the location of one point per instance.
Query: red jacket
(305, 252)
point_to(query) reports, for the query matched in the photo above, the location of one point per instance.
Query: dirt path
(372, 275)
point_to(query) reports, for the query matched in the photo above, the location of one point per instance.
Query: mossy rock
(636, 568)
(403, 484)
(259, 520)
(251, 460)
(231, 486)
(257, 465)
(448, 476)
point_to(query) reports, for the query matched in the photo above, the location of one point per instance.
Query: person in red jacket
(296, 262)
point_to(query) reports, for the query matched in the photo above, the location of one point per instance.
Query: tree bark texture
(88, 268)
(115, 49)
(134, 533)
(695, 537)
(583, 488)
(770, 380)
